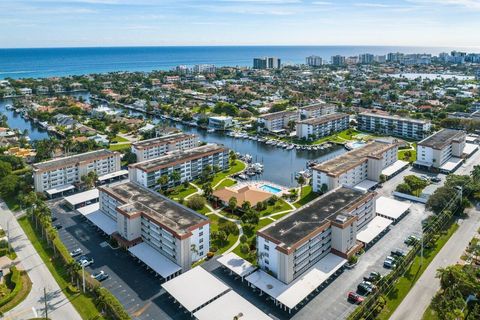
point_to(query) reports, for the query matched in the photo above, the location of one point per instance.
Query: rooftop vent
(341, 218)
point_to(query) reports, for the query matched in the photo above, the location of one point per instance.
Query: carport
(288, 296)
(236, 265)
(373, 229)
(155, 260)
(393, 169)
(366, 185)
(98, 218)
(195, 288)
(229, 306)
(451, 165)
(117, 175)
(82, 199)
(51, 193)
(391, 209)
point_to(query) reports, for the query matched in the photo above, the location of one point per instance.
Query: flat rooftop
(279, 114)
(317, 106)
(354, 158)
(324, 119)
(73, 160)
(297, 225)
(172, 138)
(168, 213)
(178, 156)
(442, 138)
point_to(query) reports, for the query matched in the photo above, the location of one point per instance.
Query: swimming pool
(270, 189)
(357, 144)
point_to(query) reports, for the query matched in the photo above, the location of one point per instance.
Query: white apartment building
(353, 167)
(316, 110)
(156, 147)
(315, 128)
(393, 125)
(442, 146)
(291, 245)
(314, 61)
(277, 121)
(176, 232)
(61, 172)
(188, 163)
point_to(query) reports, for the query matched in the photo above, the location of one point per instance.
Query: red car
(355, 298)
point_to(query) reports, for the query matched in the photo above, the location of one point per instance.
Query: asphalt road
(59, 307)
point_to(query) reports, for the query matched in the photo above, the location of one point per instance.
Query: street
(59, 308)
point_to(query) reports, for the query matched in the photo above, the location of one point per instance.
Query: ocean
(57, 62)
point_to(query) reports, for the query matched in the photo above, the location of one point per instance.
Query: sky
(74, 23)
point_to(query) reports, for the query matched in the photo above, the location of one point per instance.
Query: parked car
(100, 276)
(424, 177)
(76, 252)
(398, 253)
(436, 179)
(411, 240)
(373, 277)
(365, 287)
(58, 226)
(355, 297)
(86, 261)
(54, 218)
(389, 262)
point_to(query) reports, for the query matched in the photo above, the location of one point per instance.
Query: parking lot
(135, 287)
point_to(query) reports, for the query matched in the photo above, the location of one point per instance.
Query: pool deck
(259, 183)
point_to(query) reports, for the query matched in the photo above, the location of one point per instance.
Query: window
(200, 247)
(266, 261)
(266, 247)
(201, 240)
(200, 234)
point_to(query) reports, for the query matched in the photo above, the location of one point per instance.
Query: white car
(85, 262)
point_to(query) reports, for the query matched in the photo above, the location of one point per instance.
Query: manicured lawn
(12, 203)
(226, 183)
(405, 283)
(119, 147)
(251, 239)
(181, 192)
(119, 139)
(216, 224)
(430, 314)
(402, 155)
(306, 196)
(83, 303)
(25, 286)
(279, 206)
(234, 169)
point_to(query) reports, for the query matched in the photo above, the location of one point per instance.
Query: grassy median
(83, 303)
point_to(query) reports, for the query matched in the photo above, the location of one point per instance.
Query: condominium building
(314, 61)
(62, 172)
(156, 147)
(384, 123)
(291, 245)
(188, 163)
(366, 58)
(266, 63)
(277, 121)
(141, 215)
(353, 167)
(315, 128)
(338, 60)
(316, 110)
(435, 150)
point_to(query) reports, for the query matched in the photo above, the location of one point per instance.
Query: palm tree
(301, 180)
(232, 204)
(175, 176)
(163, 181)
(207, 190)
(476, 174)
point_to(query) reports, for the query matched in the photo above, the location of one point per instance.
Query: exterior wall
(129, 228)
(72, 173)
(344, 239)
(406, 128)
(267, 255)
(306, 131)
(108, 205)
(201, 240)
(278, 122)
(156, 151)
(425, 155)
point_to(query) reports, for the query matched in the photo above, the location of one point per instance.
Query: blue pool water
(270, 189)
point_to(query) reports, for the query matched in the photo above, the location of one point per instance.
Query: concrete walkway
(59, 308)
(420, 296)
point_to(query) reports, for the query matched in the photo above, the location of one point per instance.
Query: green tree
(301, 180)
(196, 202)
(163, 181)
(9, 185)
(207, 190)
(232, 204)
(175, 176)
(5, 169)
(404, 188)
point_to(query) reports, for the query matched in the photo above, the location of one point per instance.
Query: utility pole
(83, 278)
(46, 304)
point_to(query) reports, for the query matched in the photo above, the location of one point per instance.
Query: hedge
(113, 306)
(16, 281)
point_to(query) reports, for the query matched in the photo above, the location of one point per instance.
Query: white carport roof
(391, 208)
(81, 197)
(101, 220)
(112, 175)
(365, 185)
(451, 164)
(292, 294)
(373, 229)
(65, 187)
(238, 265)
(394, 167)
(228, 306)
(195, 288)
(154, 259)
(470, 148)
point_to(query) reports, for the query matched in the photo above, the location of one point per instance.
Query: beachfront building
(291, 245)
(220, 122)
(188, 163)
(277, 121)
(154, 227)
(315, 128)
(382, 122)
(316, 110)
(442, 150)
(356, 166)
(156, 147)
(266, 63)
(59, 175)
(314, 61)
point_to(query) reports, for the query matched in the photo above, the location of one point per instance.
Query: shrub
(213, 249)
(14, 282)
(353, 259)
(210, 255)
(244, 248)
(196, 202)
(243, 238)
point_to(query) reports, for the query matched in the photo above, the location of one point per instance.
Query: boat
(290, 147)
(242, 176)
(210, 130)
(9, 107)
(248, 158)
